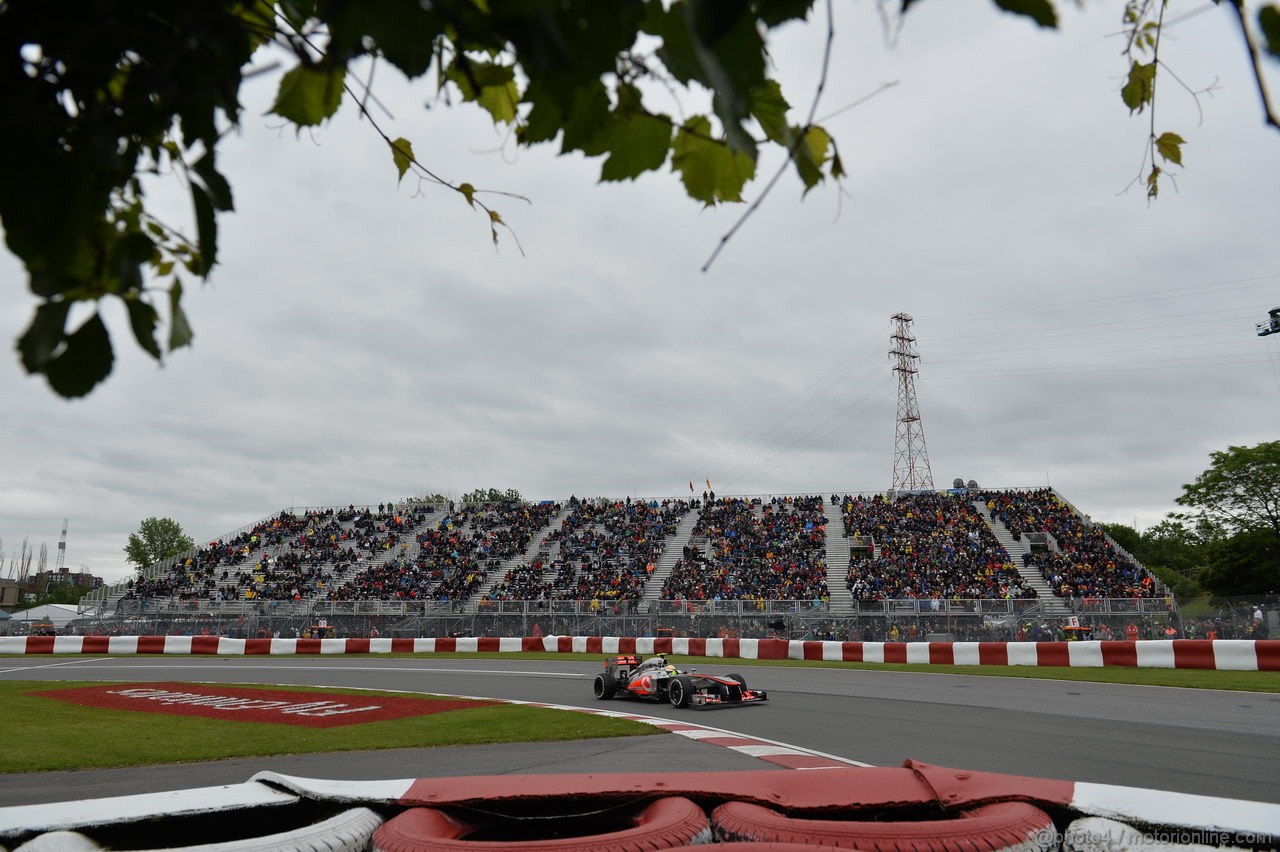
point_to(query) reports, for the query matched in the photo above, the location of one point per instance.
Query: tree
(1240, 492)
(156, 88)
(156, 540)
(1237, 503)
(492, 495)
(1247, 563)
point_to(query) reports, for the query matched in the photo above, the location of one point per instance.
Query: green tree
(156, 87)
(1245, 564)
(1236, 503)
(156, 540)
(492, 495)
(1240, 492)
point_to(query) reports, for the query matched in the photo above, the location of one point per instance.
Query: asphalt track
(1209, 742)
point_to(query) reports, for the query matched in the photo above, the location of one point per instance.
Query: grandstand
(964, 561)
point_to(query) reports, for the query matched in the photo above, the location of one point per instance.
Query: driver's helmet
(670, 670)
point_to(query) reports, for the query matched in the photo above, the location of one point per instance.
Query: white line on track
(52, 665)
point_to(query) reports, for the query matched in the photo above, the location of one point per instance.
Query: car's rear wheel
(679, 691)
(606, 686)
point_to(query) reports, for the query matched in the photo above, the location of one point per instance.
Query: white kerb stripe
(1235, 654)
(68, 644)
(833, 651)
(765, 750)
(609, 644)
(1155, 654)
(379, 646)
(424, 646)
(177, 645)
(123, 645)
(231, 647)
(510, 644)
(579, 644)
(466, 644)
(333, 646)
(644, 646)
(284, 646)
(680, 646)
(795, 649)
(715, 647)
(873, 652)
(966, 654)
(13, 644)
(748, 649)
(917, 652)
(1084, 655)
(1023, 654)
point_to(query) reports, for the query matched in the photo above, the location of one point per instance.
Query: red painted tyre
(665, 824)
(990, 828)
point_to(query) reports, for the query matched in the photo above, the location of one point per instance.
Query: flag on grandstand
(708, 484)
(690, 486)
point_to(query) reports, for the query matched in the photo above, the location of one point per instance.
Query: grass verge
(43, 734)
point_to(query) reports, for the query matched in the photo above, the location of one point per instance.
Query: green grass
(43, 734)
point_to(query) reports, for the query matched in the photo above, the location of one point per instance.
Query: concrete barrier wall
(1233, 654)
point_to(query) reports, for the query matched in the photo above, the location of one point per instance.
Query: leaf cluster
(92, 103)
(492, 495)
(156, 540)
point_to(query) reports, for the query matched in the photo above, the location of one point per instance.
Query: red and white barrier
(1224, 654)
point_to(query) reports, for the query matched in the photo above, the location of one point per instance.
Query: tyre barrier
(916, 806)
(1225, 654)
(350, 831)
(669, 822)
(1001, 827)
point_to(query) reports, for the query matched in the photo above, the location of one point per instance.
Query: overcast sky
(363, 342)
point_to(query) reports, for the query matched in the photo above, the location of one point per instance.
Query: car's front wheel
(680, 691)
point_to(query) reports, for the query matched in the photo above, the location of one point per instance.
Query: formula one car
(657, 680)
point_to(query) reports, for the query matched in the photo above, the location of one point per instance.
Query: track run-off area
(1207, 742)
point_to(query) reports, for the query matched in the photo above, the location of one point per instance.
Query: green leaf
(144, 319)
(588, 125)
(637, 141)
(44, 334)
(775, 12)
(769, 107)
(207, 232)
(86, 360)
(639, 144)
(402, 155)
(216, 185)
(469, 192)
(179, 331)
(1153, 182)
(491, 86)
(710, 170)
(308, 95)
(810, 156)
(1140, 88)
(1269, 24)
(1040, 11)
(1170, 147)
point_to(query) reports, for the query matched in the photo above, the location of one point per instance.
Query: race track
(1196, 741)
